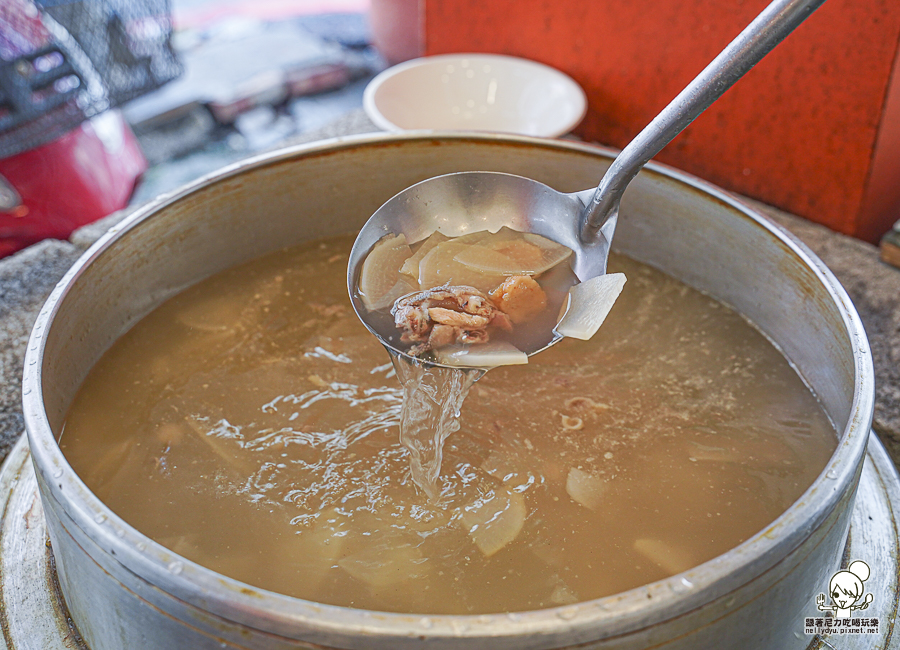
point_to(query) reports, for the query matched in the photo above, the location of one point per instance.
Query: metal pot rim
(615, 614)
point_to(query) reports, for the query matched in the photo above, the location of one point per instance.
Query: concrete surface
(28, 277)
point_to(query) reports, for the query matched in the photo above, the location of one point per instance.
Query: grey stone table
(28, 277)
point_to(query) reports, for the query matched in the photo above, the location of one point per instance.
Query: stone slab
(26, 279)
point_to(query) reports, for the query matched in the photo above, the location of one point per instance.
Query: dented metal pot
(125, 591)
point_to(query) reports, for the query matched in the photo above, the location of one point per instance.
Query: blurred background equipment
(127, 41)
(66, 159)
(258, 74)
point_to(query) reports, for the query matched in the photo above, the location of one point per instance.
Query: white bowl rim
(371, 109)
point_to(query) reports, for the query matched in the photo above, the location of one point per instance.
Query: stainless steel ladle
(464, 202)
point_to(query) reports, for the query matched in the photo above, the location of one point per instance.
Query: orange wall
(798, 132)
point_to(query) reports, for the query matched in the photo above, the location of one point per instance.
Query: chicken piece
(473, 337)
(412, 319)
(445, 315)
(479, 304)
(441, 336)
(520, 297)
(501, 320)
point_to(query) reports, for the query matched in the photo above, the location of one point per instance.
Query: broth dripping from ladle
(443, 339)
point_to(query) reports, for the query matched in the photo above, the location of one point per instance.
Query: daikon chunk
(511, 253)
(380, 282)
(563, 595)
(472, 237)
(485, 355)
(588, 305)
(586, 489)
(495, 520)
(513, 258)
(386, 563)
(667, 557)
(439, 267)
(411, 265)
(216, 314)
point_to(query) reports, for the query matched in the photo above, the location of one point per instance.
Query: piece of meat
(520, 297)
(413, 320)
(442, 335)
(501, 320)
(480, 304)
(444, 315)
(474, 337)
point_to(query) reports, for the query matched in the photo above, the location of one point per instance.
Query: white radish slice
(506, 258)
(439, 267)
(216, 314)
(483, 355)
(664, 555)
(473, 237)
(380, 283)
(563, 595)
(543, 242)
(411, 266)
(514, 255)
(404, 286)
(495, 521)
(588, 305)
(586, 489)
(385, 563)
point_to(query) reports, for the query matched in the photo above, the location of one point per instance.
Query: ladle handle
(767, 30)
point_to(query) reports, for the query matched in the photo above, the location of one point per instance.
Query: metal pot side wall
(124, 590)
(768, 613)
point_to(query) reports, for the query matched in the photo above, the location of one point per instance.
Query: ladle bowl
(465, 202)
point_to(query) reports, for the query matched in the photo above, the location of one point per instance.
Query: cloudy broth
(250, 424)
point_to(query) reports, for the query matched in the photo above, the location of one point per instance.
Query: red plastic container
(83, 176)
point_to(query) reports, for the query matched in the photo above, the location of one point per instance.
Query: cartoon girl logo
(846, 589)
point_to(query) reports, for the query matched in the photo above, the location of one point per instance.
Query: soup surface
(250, 424)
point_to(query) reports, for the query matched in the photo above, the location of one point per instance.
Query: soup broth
(250, 424)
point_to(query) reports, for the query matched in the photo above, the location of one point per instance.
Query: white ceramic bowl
(475, 92)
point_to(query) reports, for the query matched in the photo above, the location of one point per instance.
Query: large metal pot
(125, 591)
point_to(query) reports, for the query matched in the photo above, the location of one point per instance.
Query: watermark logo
(845, 595)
